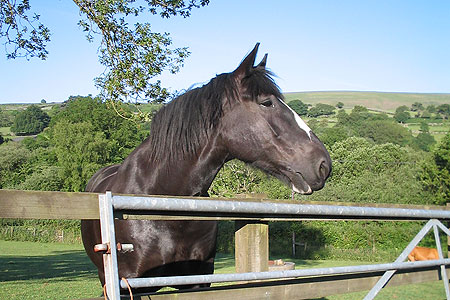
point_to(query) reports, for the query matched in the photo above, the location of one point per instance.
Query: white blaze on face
(299, 120)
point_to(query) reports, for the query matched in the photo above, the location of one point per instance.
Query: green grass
(5, 131)
(376, 100)
(61, 271)
(423, 291)
(437, 130)
(46, 271)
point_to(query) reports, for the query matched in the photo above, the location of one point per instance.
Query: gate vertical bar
(443, 272)
(387, 276)
(109, 238)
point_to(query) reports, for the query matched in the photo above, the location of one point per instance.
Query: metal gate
(115, 206)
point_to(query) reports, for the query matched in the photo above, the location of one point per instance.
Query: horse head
(259, 128)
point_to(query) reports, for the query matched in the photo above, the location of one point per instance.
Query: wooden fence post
(251, 246)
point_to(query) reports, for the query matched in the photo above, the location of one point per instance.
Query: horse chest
(170, 241)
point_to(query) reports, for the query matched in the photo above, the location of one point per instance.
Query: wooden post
(251, 246)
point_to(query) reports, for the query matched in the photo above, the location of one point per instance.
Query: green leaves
(25, 35)
(299, 107)
(132, 54)
(84, 135)
(321, 109)
(435, 174)
(81, 151)
(87, 135)
(30, 121)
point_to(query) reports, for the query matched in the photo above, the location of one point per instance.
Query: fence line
(59, 205)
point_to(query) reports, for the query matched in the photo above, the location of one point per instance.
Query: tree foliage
(299, 107)
(378, 128)
(431, 108)
(379, 173)
(81, 151)
(402, 116)
(444, 110)
(321, 109)
(417, 106)
(46, 178)
(424, 141)
(105, 119)
(87, 135)
(331, 135)
(131, 54)
(14, 164)
(83, 136)
(25, 36)
(6, 118)
(385, 131)
(435, 173)
(30, 121)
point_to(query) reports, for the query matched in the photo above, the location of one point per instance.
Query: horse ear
(247, 64)
(263, 62)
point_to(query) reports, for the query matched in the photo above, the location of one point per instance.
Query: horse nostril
(323, 170)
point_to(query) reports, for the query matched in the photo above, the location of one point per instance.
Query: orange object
(423, 253)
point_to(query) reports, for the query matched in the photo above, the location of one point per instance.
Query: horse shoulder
(102, 179)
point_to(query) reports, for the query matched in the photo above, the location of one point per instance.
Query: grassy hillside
(375, 100)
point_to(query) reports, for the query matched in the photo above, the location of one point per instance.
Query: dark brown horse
(236, 115)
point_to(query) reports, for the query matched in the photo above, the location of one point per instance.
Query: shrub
(30, 121)
(299, 107)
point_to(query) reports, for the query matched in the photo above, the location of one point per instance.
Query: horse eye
(267, 103)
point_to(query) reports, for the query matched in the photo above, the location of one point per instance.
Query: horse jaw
(297, 182)
(303, 190)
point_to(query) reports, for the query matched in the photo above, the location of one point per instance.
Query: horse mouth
(298, 182)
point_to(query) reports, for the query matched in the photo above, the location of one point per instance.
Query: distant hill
(376, 100)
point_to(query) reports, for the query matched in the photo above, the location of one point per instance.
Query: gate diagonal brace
(433, 223)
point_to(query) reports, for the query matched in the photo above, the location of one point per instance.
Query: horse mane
(182, 126)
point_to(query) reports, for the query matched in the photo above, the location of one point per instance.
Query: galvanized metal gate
(255, 210)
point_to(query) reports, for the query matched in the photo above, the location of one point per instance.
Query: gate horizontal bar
(216, 278)
(274, 210)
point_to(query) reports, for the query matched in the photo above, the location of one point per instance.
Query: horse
(237, 115)
(423, 253)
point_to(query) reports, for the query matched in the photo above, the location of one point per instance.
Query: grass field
(5, 131)
(377, 100)
(437, 130)
(60, 271)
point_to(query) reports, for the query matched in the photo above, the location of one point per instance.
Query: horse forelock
(260, 82)
(182, 126)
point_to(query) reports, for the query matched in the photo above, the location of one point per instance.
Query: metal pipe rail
(217, 278)
(157, 205)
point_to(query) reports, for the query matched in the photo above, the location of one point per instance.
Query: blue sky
(388, 46)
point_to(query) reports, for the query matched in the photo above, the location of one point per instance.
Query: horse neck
(190, 176)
